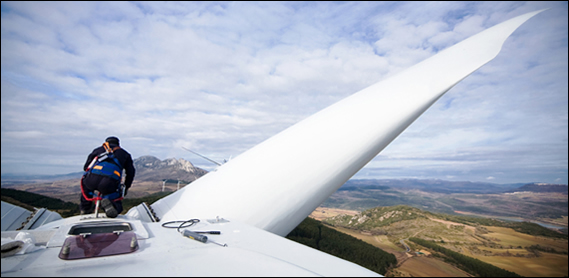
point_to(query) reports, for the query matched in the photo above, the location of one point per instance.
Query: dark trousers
(105, 185)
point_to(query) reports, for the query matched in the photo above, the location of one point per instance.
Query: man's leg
(89, 184)
(86, 207)
(106, 187)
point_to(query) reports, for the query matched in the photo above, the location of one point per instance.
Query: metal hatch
(98, 245)
(99, 228)
(98, 239)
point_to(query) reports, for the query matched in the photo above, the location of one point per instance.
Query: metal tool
(198, 237)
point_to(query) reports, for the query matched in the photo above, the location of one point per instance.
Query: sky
(221, 77)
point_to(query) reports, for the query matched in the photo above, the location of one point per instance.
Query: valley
(548, 206)
(503, 247)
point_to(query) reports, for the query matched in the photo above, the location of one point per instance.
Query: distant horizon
(24, 175)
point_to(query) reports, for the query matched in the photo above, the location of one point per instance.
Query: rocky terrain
(150, 168)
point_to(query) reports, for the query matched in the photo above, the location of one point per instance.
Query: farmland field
(418, 266)
(547, 265)
(524, 254)
(430, 267)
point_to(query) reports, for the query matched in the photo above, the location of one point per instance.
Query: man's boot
(109, 208)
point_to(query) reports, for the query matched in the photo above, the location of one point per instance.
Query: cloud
(222, 77)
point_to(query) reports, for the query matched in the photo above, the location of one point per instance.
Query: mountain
(431, 185)
(541, 187)
(454, 197)
(150, 168)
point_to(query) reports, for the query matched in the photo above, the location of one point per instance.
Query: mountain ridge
(433, 185)
(541, 187)
(148, 168)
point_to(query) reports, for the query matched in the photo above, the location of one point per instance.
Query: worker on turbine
(103, 172)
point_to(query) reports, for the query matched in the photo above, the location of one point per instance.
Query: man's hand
(125, 189)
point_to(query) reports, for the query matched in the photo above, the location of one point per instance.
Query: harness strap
(109, 149)
(100, 197)
(100, 166)
(85, 195)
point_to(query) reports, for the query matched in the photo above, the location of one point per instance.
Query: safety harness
(105, 164)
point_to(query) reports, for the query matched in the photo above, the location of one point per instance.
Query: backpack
(106, 164)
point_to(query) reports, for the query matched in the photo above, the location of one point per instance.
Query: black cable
(191, 221)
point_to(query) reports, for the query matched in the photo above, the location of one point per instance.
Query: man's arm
(90, 158)
(129, 171)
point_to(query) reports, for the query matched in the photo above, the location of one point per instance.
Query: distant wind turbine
(218, 164)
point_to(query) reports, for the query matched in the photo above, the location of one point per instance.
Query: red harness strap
(96, 198)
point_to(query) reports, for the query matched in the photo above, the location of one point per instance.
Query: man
(103, 172)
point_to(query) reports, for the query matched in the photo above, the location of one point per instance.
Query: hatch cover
(98, 245)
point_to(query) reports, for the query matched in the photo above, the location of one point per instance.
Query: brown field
(321, 213)
(429, 267)
(547, 265)
(507, 237)
(378, 241)
(469, 228)
(409, 264)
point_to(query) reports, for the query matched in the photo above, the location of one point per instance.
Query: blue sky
(219, 78)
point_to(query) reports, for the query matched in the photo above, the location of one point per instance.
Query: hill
(474, 266)
(452, 197)
(541, 187)
(431, 185)
(312, 233)
(30, 201)
(374, 219)
(513, 246)
(379, 220)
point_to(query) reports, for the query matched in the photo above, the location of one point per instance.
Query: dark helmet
(113, 140)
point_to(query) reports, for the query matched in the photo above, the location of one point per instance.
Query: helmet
(112, 140)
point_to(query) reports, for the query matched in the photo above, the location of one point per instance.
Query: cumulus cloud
(222, 77)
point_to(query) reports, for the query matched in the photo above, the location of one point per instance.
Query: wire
(191, 221)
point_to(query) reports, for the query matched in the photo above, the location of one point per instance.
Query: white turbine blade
(276, 184)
